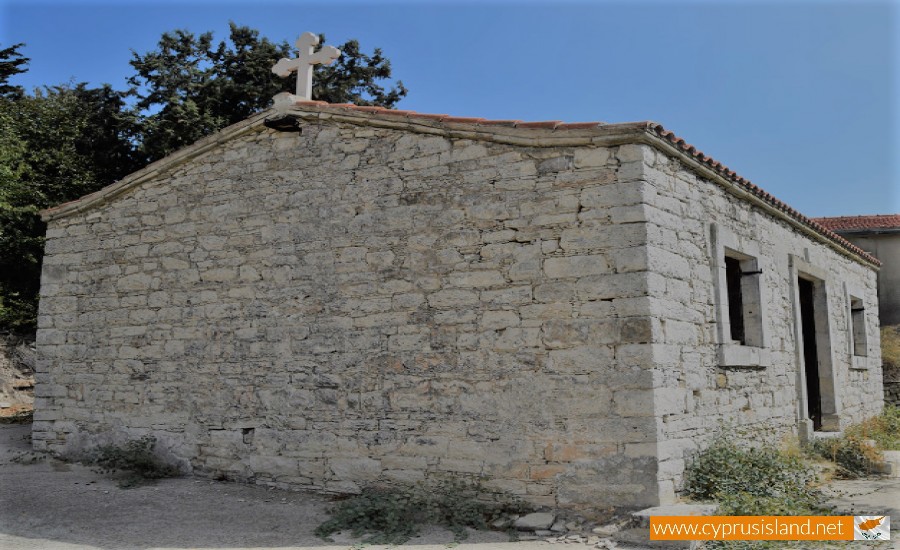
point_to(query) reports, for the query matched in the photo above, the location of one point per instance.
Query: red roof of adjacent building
(861, 223)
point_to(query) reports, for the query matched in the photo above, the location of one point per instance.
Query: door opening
(810, 352)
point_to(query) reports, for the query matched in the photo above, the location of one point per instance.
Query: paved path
(51, 505)
(866, 497)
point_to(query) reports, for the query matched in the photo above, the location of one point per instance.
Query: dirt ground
(48, 504)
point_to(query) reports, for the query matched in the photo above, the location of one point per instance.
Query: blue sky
(801, 97)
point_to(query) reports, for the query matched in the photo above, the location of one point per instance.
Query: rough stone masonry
(383, 296)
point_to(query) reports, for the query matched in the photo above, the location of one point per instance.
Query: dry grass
(884, 429)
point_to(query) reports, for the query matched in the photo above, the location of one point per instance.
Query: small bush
(851, 453)
(136, 459)
(394, 515)
(752, 481)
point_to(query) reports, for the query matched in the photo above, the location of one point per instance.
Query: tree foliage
(58, 144)
(354, 78)
(189, 87)
(11, 63)
(62, 142)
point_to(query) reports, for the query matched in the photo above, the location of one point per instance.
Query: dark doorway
(810, 352)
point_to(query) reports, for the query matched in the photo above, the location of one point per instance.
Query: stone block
(535, 521)
(604, 237)
(495, 320)
(634, 403)
(514, 339)
(591, 158)
(443, 299)
(582, 359)
(508, 296)
(564, 333)
(218, 275)
(612, 286)
(477, 279)
(135, 282)
(275, 466)
(575, 266)
(355, 469)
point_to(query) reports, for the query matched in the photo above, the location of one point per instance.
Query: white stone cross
(306, 45)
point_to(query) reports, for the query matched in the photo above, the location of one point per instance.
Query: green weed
(752, 480)
(393, 515)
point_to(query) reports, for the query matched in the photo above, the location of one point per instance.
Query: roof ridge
(514, 123)
(857, 216)
(861, 222)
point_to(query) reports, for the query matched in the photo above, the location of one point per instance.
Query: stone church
(329, 296)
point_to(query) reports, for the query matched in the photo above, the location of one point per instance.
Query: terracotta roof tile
(755, 190)
(860, 223)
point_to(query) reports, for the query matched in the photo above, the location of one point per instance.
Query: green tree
(354, 78)
(55, 145)
(189, 87)
(62, 142)
(11, 64)
(20, 230)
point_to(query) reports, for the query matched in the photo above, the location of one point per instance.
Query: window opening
(735, 298)
(858, 326)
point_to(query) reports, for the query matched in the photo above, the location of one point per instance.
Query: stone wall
(886, 247)
(698, 394)
(352, 304)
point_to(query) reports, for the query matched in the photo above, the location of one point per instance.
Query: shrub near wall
(752, 480)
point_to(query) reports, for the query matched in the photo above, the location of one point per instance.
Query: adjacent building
(879, 235)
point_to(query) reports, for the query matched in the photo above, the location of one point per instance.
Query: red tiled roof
(861, 223)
